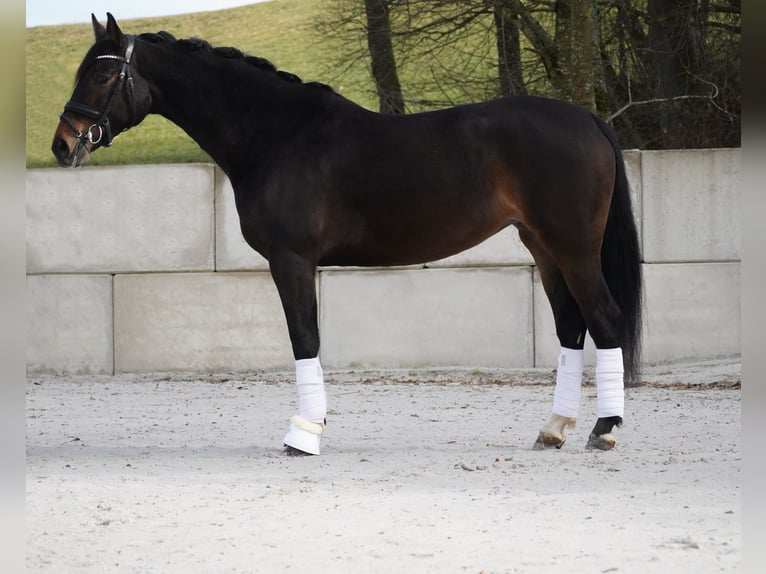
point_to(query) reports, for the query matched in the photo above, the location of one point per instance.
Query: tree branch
(711, 98)
(541, 41)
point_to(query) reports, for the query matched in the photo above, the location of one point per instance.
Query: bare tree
(508, 51)
(574, 48)
(675, 80)
(382, 58)
(665, 73)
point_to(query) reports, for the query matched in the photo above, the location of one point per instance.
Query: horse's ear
(115, 34)
(98, 30)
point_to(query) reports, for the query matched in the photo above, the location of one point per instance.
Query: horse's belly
(415, 246)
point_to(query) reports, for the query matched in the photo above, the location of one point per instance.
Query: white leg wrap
(566, 396)
(312, 399)
(609, 383)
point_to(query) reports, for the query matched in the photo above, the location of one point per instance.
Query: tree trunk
(574, 46)
(508, 52)
(600, 62)
(384, 71)
(676, 54)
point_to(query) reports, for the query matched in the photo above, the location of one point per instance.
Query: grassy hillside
(283, 31)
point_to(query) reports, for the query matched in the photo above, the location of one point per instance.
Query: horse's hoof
(601, 442)
(552, 433)
(547, 440)
(292, 451)
(303, 436)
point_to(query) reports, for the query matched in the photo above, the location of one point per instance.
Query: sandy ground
(421, 471)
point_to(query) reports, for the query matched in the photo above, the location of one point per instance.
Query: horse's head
(109, 97)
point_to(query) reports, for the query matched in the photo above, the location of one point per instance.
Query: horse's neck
(224, 115)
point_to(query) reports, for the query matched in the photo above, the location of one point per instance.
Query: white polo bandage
(609, 383)
(312, 399)
(566, 395)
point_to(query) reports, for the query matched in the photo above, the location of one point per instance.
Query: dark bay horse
(319, 180)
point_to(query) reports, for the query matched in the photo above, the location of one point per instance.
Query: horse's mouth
(78, 158)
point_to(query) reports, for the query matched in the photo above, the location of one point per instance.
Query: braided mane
(229, 53)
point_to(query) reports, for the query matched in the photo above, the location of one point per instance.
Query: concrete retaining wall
(143, 268)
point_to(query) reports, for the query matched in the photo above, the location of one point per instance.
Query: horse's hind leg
(570, 329)
(294, 278)
(603, 318)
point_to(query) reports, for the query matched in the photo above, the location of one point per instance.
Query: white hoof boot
(303, 435)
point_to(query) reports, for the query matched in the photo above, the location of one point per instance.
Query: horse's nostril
(60, 149)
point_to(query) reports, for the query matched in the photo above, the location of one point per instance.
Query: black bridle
(102, 117)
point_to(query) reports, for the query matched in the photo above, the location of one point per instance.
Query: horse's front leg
(294, 277)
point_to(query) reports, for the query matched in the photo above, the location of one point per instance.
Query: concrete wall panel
(199, 321)
(692, 311)
(118, 219)
(633, 171)
(481, 307)
(691, 207)
(69, 324)
(416, 318)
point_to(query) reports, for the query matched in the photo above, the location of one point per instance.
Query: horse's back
(409, 189)
(457, 149)
(375, 189)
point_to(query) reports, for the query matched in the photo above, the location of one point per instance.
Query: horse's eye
(101, 79)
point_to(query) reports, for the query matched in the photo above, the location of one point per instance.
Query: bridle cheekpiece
(101, 117)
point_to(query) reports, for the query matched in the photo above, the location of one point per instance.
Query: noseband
(101, 117)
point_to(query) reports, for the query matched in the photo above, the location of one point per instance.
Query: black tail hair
(621, 262)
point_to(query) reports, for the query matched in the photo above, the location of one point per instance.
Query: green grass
(293, 34)
(283, 31)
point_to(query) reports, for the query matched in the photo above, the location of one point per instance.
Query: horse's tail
(621, 262)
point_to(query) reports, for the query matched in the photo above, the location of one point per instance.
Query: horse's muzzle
(69, 152)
